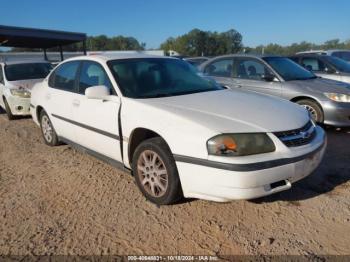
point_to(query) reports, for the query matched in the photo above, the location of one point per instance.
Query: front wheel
(155, 172)
(47, 130)
(313, 108)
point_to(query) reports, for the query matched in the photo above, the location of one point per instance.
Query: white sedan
(16, 80)
(178, 133)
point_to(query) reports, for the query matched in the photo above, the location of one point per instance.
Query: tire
(47, 130)
(9, 114)
(313, 108)
(159, 181)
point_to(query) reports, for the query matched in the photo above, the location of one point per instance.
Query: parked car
(179, 133)
(325, 66)
(16, 80)
(339, 53)
(196, 61)
(327, 101)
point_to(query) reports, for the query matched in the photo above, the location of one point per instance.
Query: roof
(106, 57)
(309, 55)
(246, 55)
(37, 38)
(312, 52)
(28, 61)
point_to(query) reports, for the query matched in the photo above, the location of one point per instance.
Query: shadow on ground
(332, 172)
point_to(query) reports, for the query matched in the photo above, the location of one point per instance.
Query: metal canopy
(37, 38)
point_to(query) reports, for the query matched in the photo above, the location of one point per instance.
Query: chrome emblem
(305, 134)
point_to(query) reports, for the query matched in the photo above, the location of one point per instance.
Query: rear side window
(313, 64)
(1, 76)
(93, 74)
(64, 76)
(221, 68)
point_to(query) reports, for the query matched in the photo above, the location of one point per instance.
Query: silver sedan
(328, 101)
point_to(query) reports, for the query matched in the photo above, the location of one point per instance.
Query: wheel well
(38, 112)
(137, 137)
(298, 98)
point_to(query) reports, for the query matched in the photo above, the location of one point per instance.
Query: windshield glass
(338, 63)
(288, 69)
(343, 55)
(27, 71)
(158, 77)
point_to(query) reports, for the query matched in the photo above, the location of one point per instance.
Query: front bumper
(336, 114)
(223, 184)
(19, 106)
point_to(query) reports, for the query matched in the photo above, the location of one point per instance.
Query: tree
(198, 42)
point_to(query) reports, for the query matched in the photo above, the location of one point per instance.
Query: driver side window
(313, 64)
(250, 69)
(93, 74)
(221, 68)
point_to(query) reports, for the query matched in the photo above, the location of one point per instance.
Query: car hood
(27, 84)
(323, 85)
(234, 111)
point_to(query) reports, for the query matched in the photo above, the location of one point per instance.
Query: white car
(179, 134)
(16, 80)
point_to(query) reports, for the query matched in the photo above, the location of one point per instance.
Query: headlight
(20, 92)
(338, 97)
(240, 144)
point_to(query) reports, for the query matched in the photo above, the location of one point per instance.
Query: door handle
(48, 96)
(76, 103)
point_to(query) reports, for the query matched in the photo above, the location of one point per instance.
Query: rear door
(248, 75)
(96, 120)
(60, 96)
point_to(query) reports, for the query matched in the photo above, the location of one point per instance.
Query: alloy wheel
(152, 173)
(312, 111)
(47, 128)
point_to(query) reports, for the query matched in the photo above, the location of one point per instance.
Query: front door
(96, 120)
(248, 74)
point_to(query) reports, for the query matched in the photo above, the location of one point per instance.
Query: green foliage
(198, 42)
(298, 47)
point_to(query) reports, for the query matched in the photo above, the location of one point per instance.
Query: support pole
(84, 47)
(61, 53)
(45, 55)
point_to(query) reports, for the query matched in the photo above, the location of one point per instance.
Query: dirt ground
(59, 201)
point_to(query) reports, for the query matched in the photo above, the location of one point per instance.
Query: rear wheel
(155, 172)
(313, 108)
(47, 130)
(10, 116)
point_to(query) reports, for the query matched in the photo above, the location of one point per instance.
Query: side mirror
(97, 92)
(268, 77)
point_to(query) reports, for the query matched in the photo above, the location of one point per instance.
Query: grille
(298, 137)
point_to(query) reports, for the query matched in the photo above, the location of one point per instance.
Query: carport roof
(37, 38)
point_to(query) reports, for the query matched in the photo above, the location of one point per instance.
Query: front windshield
(338, 63)
(158, 77)
(288, 69)
(343, 55)
(26, 71)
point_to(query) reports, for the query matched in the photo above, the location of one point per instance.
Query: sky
(153, 21)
